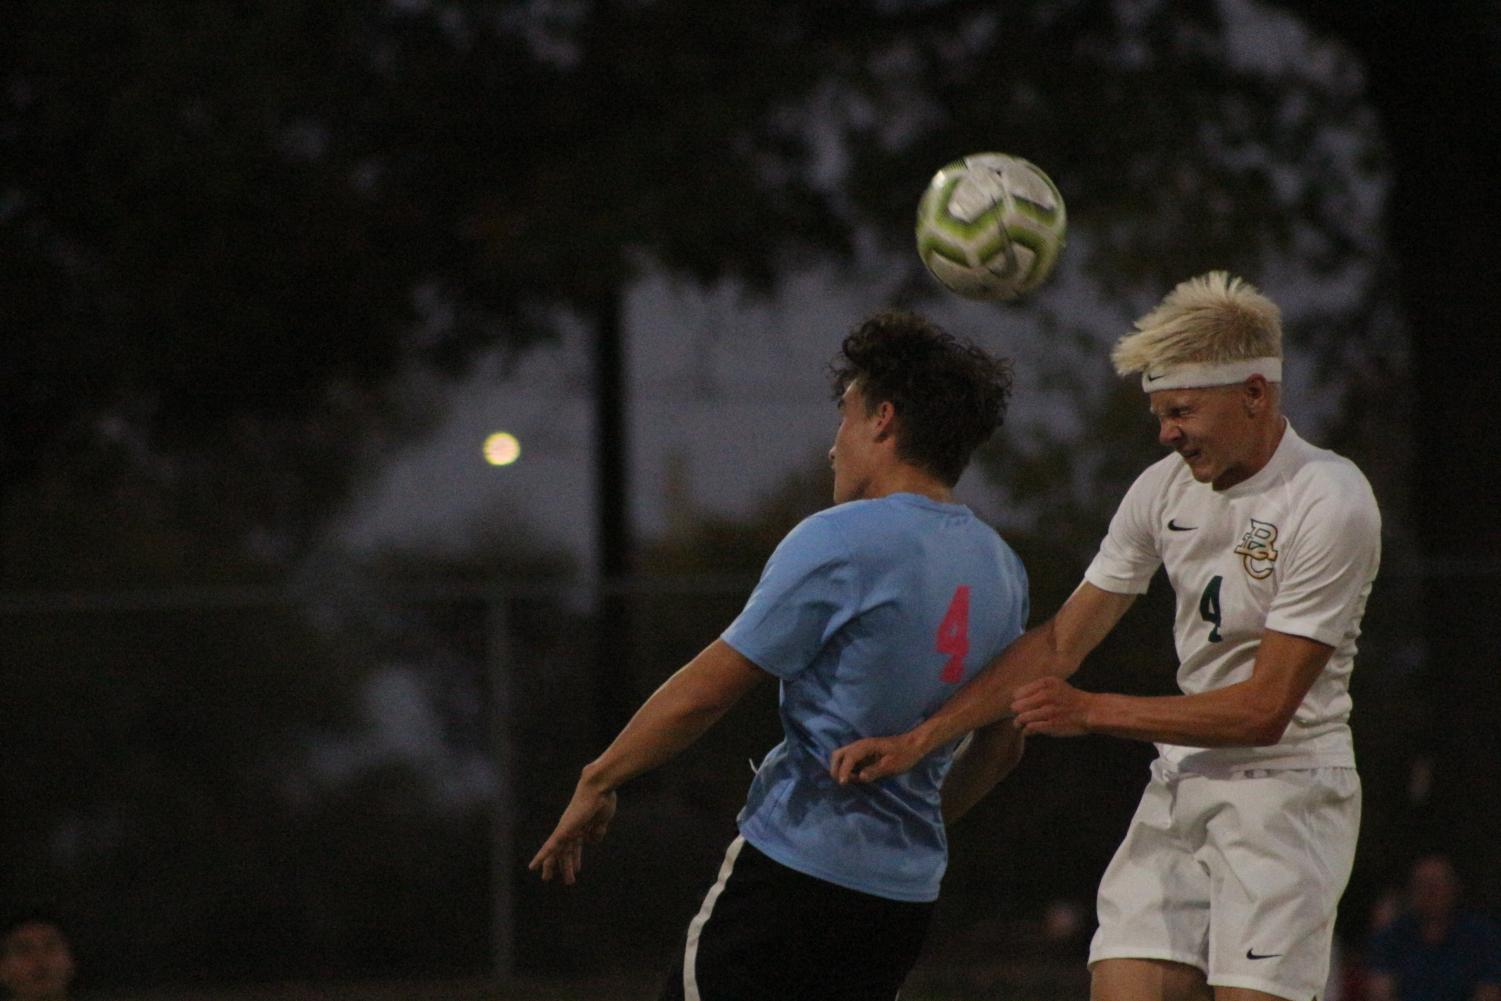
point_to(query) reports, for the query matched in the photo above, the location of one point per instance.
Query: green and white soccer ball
(990, 226)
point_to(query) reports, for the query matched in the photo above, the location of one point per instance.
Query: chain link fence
(219, 786)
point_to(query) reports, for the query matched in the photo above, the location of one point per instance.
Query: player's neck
(904, 479)
(1268, 440)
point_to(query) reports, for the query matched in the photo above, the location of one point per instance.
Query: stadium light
(502, 449)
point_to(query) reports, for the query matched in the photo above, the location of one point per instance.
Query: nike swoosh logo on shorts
(1253, 954)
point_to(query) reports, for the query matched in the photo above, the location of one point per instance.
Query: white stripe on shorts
(696, 926)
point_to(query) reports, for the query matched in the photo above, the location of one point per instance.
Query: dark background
(230, 233)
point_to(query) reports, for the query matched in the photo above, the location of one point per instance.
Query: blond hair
(1212, 318)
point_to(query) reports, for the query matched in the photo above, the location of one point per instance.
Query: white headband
(1200, 375)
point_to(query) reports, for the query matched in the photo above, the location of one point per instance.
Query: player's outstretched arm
(1053, 649)
(1250, 713)
(676, 715)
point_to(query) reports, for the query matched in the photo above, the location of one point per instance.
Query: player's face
(36, 963)
(853, 449)
(1211, 429)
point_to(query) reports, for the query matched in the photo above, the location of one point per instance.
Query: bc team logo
(1258, 549)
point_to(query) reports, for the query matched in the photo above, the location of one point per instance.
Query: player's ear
(1254, 393)
(885, 416)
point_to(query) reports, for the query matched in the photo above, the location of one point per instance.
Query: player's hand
(1051, 707)
(587, 818)
(873, 758)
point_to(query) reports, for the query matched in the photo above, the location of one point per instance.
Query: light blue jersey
(872, 613)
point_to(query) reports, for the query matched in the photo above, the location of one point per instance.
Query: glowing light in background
(502, 449)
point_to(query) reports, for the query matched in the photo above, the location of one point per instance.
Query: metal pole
(503, 861)
(614, 691)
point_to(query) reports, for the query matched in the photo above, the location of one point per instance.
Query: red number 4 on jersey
(953, 635)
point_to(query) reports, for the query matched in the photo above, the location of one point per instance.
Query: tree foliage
(220, 219)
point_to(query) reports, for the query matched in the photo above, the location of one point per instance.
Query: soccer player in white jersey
(869, 614)
(1226, 883)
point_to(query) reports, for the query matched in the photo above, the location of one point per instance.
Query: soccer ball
(990, 226)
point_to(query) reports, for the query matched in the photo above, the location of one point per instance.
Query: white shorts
(1238, 875)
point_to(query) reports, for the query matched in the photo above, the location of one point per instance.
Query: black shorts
(769, 933)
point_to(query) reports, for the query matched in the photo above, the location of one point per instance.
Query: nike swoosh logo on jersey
(1253, 954)
(1173, 526)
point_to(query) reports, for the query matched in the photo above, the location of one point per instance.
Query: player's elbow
(1264, 736)
(708, 707)
(1060, 657)
(1265, 725)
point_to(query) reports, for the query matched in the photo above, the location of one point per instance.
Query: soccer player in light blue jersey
(869, 614)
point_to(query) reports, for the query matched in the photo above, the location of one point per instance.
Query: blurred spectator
(1339, 973)
(1434, 951)
(1064, 923)
(36, 959)
(1387, 909)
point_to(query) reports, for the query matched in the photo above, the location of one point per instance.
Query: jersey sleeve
(1330, 563)
(807, 592)
(1129, 556)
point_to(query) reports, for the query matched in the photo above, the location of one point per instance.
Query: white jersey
(1294, 548)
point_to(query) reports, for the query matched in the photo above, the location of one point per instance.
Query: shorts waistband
(1168, 773)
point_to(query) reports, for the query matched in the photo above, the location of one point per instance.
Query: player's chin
(1199, 466)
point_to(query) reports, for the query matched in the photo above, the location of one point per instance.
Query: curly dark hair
(949, 395)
